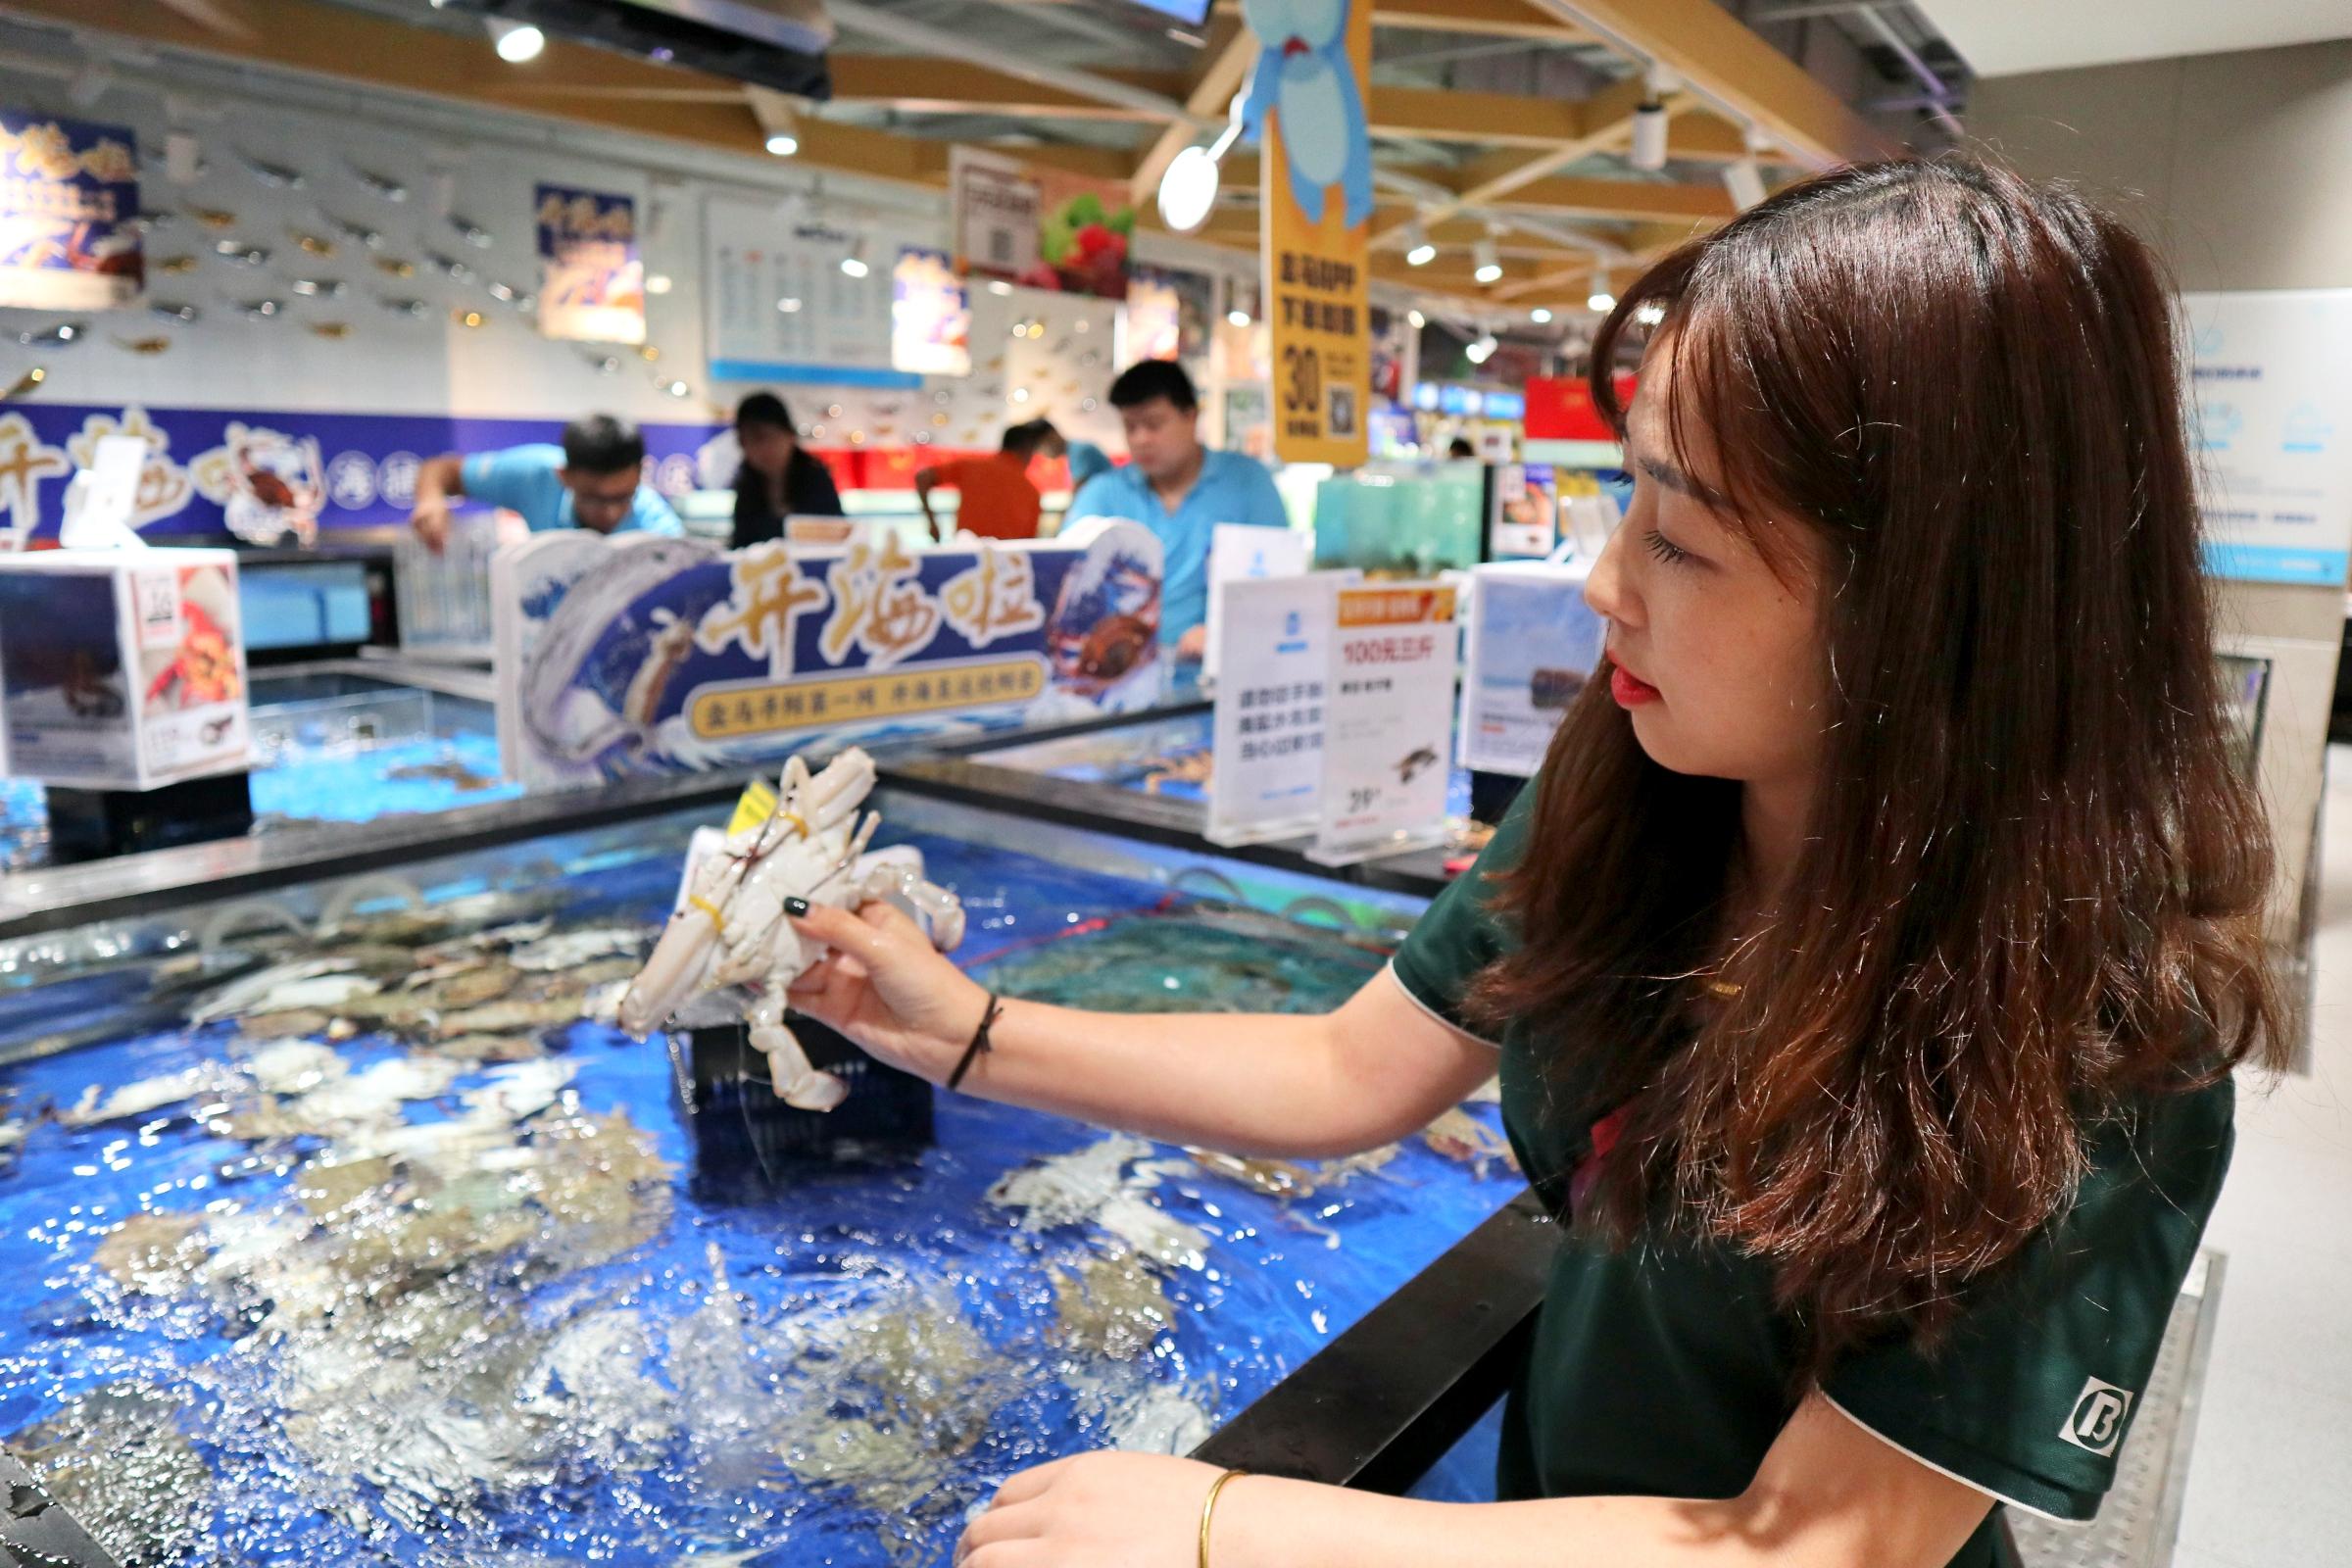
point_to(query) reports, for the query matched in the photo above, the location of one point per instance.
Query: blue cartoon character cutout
(1303, 71)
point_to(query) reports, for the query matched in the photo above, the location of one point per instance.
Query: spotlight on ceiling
(1648, 150)
(517, 42)
(1419, 252)
(1489, 256)
(1745, 181)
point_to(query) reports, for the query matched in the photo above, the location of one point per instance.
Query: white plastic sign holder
(1388, 724)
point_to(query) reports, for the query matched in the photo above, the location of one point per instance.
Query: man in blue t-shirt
(594, 481)
(1179, 489)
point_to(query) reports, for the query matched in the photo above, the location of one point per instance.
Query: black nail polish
(795, 908)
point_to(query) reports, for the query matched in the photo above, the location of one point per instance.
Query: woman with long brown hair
(1867, 966)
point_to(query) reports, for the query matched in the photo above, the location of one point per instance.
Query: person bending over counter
(1179, 489)
(779, 479)
(997, 500)
(594, 481)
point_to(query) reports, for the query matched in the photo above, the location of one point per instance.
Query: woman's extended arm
(1306, 1087)
(1829, 1493)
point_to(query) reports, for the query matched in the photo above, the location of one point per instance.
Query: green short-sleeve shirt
(1665, 1370)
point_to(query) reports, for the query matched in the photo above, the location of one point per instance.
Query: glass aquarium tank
(336, 1227)
(1403, 521)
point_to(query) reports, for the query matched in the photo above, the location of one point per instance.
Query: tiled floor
(2269, 1481)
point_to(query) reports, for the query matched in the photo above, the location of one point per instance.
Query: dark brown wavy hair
(2033, 882)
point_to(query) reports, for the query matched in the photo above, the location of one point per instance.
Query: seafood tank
(327, 749)
(334, 1227)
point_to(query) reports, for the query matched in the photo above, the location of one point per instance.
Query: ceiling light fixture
(1187, 186)
(779, 121)
(1238, 317)
(1539, 315)
(1745, 181)
(1648, 149)
(1417, 319)
(1480, 352)
(1602, 299)
(517, 42)
(853, 265)
(1421, 252)
(1489, 256)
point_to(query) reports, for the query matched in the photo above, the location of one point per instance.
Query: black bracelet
(979, 1046)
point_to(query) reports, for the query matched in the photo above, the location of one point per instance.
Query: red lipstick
(1629, 690)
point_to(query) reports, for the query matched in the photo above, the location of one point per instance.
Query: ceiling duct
(774, 43)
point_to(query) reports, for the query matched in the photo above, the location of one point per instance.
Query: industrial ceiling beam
(1490, 18)
(919, 84)
(1724, 61)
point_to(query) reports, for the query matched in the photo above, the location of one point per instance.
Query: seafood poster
(123, 670)
(69, 213)
(1388, 722)
(930, 315)
(639, 655)
(1533, 642)
(591, 276)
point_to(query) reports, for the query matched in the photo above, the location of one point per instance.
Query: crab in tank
(730, 927)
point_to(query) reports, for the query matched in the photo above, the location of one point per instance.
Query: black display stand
(94, 824)
(749, 1146)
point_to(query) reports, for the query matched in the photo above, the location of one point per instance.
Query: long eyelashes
(1665, 549)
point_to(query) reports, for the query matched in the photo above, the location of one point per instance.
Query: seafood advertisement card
(591, 276)
(1388, 722)
(69, 213)
(122, 670)
(1532, 643)
(636, 655)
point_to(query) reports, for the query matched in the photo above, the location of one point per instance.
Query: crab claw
(673, 973)
(797, 1082)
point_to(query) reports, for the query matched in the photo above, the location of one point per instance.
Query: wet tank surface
(327, 749)
(347, 1239)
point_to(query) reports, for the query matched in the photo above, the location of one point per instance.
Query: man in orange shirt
(999, 501)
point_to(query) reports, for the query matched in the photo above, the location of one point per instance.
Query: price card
(1275, 637)
(1238, 553)
(1532, 643)
(1387, 724)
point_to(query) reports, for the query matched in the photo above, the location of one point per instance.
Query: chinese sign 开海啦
(68, 210)
(591, 276)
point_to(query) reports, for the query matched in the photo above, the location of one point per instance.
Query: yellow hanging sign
(1308, 95)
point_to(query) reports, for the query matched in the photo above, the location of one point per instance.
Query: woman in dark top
(779, 477)
(1864, 972)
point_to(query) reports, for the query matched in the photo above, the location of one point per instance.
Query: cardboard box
(122, 670)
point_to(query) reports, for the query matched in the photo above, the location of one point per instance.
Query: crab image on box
(1303, 72)
(730, 928)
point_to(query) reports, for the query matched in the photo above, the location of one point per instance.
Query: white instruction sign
(1388, 724)
(1532, 643)
(1268, 732)
(2274, 420)
(1242, 553)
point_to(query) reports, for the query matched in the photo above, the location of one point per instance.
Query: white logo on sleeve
(2096, 1421)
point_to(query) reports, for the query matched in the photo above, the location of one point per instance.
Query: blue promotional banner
(591, 276)
(267, 476)
(69, 210)
(634, 655)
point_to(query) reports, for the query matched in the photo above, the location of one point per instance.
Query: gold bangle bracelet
(1208, 1510)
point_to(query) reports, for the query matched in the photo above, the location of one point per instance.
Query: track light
(1602, 300)
(1417, 319)
(1648, 150)
(1419, 251)
(1490, 262)
(1539, 315)
(1480, 352)
(1238, 317)
(517, 43)
(1745, 181)
(854, 263)
(779, 123)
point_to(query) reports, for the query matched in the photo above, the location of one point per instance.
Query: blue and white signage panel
(2272, 433)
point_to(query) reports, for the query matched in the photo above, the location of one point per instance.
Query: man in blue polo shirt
(594, 481)
(1179, 489)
